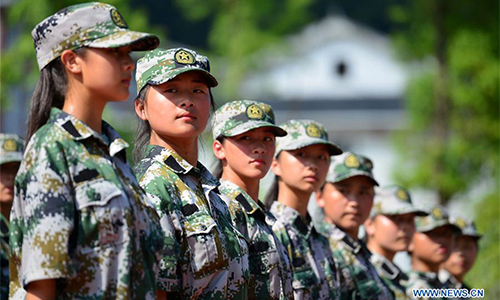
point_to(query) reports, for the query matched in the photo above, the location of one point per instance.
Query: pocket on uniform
(263, 259)
(207, 250)
(102, 207)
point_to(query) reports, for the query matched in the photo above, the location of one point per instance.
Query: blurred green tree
(452, 141)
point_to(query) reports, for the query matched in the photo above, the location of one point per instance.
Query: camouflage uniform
(314, 271)
(437, 217)
(270, 268)
(80, 217)
(392, 200)
(207, 258)
(358, 277)
(11, 151)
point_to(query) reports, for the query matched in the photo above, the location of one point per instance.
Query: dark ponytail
(50, 91)
(143, 133)
(218, 164)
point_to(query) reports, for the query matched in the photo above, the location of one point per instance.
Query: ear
(218, 149)
(370, 227)
(319, 198)
(275, 166)
(140, 109)
(71, 61)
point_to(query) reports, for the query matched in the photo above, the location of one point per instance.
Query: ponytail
(143, 133)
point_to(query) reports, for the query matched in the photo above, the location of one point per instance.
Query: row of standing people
(85, 225)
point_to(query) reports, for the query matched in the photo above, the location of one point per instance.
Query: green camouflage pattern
(315, 275)
(358, 277)
(437, 217)
(303, 133)
(205, 256)
(11, 148)
(395, 279)
(270, 267)
(92, 24)
(451, 281)
(467, 227)
(160, 65)
(348, 165)
(424, 280)
(4, 257)
(393, 200)
(80, 217)
(237, 117)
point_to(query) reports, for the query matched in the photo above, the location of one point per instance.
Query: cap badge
(118, 19)
(313, 130)
(255, 112)
(402, 195)
(351, 161)
(10, 145)
(184, 57)
(461, 223)
(437, 213)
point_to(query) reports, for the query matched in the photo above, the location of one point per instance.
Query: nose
(128, 62)
(186, 102)
(260, 148)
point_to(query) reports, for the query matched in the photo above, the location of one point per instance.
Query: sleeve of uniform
(43, 215)
(168, 277)
(238, 216)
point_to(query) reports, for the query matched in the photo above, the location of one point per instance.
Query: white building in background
(345, 76)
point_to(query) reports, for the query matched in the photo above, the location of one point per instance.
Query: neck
(80, 104)
(250, 186)
(187, 148)
(293, 198)
(5, 209)
(422, 266)
(375, 248)
(353, 233)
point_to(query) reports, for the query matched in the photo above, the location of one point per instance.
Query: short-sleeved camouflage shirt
(80, 217)
(393, 277)
(423, 280)
(270, 267)
(4, 258)
(314, 271)
(207, 258)
(358, 277)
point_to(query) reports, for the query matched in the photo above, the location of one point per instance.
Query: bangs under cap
(348, 165)
(93, 24)
(303, 133)
(160, 65)
(240, 116)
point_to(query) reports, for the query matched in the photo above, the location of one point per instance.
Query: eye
(198, 91)
(245, 138)
(322, 157)
(170, 90)
(301, 154)
(269, 139)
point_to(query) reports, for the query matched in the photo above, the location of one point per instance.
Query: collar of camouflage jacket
(388, 268)
(303, 225)
(250, 205)
(78, 130)
(355, 246)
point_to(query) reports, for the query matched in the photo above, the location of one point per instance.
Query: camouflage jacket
(206, 257)
(79, 216)
(423, 280)
(450, 281)
(4, 258)
(358, 277)
(393, 277)
(270, 267)
(314, 271)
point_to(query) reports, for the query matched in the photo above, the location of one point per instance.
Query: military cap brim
(247, 126)
(138, 41)
(354, 173)
(169, 75)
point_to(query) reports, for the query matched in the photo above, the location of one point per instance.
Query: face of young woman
(392, 233)
(303, 169)
(462, 257)
(107, 72)
(248, 155)
(348, 203)
(7, 174)
(178, 108)
(433, 247)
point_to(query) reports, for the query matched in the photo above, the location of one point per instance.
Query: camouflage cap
(92, 24)
(467, 227)
(437, 217)
(11, 148)
(393, 200)
(303, 133)
(237, 117)
(160, 65)
(349, 165)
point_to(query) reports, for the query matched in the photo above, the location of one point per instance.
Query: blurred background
(414, 85)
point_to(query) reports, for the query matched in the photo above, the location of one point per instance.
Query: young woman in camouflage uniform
(81, 227)
(347, 198)
(389, 230)
(244, 142)
(206, 257)
(300, 165)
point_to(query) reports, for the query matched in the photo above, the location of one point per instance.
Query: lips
(127, 81)
(187, 115)
(258, 161)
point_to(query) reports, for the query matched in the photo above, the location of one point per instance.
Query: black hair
(49, 92)
(272, 193)
(143, 132)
